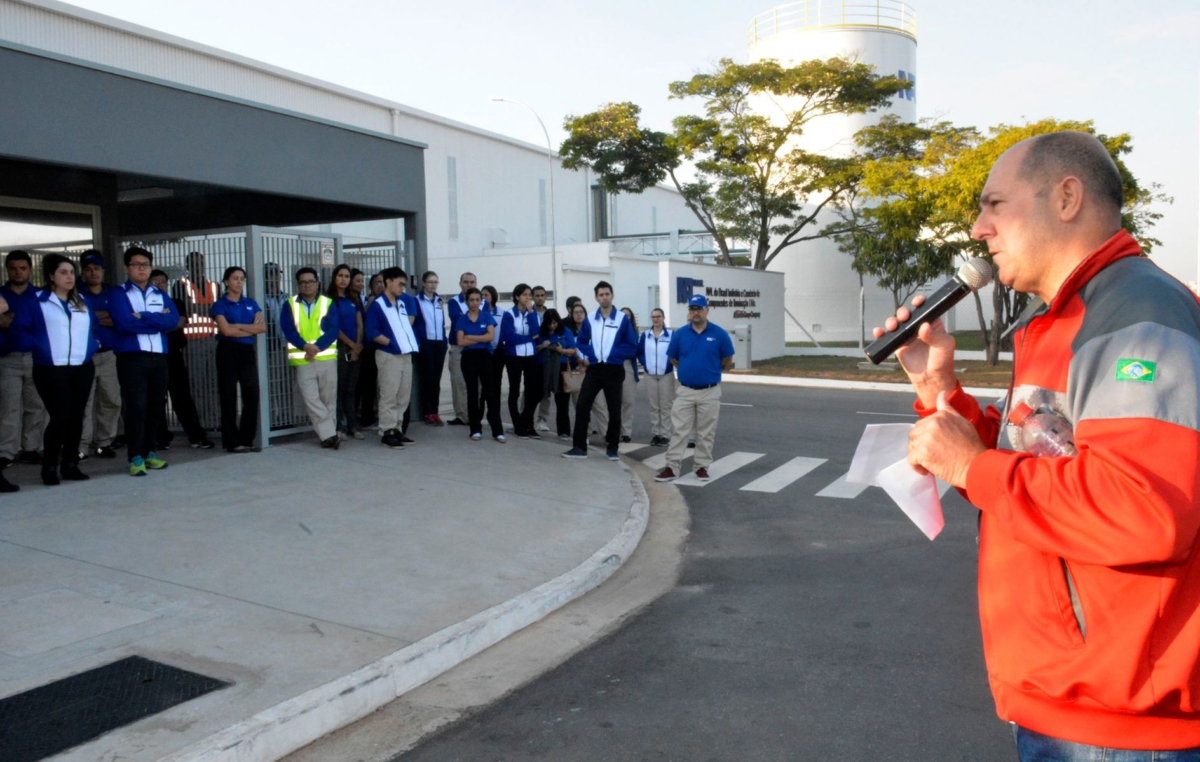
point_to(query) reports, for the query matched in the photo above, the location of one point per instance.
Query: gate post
(258, 292)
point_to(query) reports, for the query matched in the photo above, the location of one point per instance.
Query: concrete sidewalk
(321, 584)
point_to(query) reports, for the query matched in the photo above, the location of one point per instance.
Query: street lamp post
(550, 159)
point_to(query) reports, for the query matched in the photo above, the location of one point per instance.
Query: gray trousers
(317, 383)
(458, 383)
(695, 411)
(600, 408)
(22, 414)
(395, 388)
(103, 413)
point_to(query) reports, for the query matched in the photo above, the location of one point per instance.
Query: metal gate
(195, 262)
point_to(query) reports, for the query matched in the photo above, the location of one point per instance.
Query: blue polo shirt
(15, 341)
(700, 354)
(347, 312)
(240, 312)
(100, 303)
(475, 328)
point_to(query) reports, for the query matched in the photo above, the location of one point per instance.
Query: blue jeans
(1035, 747)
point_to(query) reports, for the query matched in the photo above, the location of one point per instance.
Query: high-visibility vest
(308, 325)
(199, 302)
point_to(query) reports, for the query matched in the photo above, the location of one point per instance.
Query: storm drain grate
(44, 721)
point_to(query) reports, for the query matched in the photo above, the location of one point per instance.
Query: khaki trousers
(628, 392)
(22, 414)
(694, 410)
(395, 388)
(458, 383)
(103, 412)
(317, 383)
(661, 392)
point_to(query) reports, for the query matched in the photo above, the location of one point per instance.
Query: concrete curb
(829, 383)
(297, 722)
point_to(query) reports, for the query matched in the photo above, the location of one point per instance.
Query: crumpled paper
(881, 460)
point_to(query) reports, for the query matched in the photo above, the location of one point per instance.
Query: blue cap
(699, 300)
(92, 259)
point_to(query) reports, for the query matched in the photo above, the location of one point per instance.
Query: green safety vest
(308, 325)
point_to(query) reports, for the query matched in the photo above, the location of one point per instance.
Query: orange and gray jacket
(1089, 576)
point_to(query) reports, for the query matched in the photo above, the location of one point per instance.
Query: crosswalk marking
(720, 467)
(625, 447)
(784, 475)
(842, 488)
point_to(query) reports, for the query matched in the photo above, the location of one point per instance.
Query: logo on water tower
(909, 94)
(685, 289)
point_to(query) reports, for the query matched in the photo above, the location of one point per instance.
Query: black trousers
(600, 377)
(499, 361)
(179, 383)
(347, 391)
(477, 372)
(237, 364)
(367, 387)
(64, 391)
(528, 370)
(431, 359)
(562, 409)
(143, 378)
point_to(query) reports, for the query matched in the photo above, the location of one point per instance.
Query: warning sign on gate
(328, 254)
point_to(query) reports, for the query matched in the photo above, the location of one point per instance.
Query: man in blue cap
(699, 353)
(103, 412)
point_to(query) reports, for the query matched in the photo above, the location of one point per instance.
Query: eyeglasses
(138, 264)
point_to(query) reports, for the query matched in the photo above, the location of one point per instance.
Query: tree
(955, 192)
(753, 180)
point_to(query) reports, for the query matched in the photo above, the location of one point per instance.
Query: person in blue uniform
(473, 332)
(430, 329)
(554, 359)
(519, 331)
(660, 376)
(103, 413)
(60, 331)
(239, 321)
(349, 348)
(699, 352)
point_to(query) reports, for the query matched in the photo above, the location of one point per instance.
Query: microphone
(972, 276)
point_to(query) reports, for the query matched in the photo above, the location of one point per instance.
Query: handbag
(572, 381)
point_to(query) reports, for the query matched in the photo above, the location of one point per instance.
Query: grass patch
(971, 372)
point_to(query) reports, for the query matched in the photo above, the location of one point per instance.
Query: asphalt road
(802, 627)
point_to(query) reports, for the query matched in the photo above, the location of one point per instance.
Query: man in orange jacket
(1089, 579)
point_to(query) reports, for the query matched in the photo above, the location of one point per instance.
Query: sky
(1129, 67)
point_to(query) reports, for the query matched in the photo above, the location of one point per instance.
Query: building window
(452, 194)
(542, 209)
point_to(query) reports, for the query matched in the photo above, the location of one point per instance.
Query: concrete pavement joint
(294, 723)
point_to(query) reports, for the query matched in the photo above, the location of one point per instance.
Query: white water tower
(822, 290)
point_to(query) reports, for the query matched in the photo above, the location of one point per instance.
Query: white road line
(784, 475)
(735, 404)
(625, 447)
(842, 488)
(890, 415)
(720, 467)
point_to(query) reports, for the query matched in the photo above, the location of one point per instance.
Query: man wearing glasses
(141, 315)
(310, 324)
(699, 353)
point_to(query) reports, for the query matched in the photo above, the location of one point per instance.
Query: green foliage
(753, 182)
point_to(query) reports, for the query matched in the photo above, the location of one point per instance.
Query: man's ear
(1068, 199)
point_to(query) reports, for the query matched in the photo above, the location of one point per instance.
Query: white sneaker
(543, 426)
(500, 439)
(476, 437)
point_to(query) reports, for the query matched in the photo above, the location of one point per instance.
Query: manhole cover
(44, 721)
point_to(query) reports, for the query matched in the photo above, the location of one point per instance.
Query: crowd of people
(78, 361)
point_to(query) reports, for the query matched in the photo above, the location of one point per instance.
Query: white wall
(767, 327)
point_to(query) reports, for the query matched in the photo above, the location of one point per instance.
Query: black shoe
(119, 442)
(575, 452)
(613, 454)
(163, 445)
(7, 486)
(532, 434)
(72, 474)
(50, 478)
(522, 434)
(404, 439)
(203, 444)
(331, 443)
(5, 463)
(392, 439)
(456, 422)
(626, 440)
(105, 452)
(29, 457)
(691, 445)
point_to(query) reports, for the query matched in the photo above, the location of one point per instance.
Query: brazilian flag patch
(1136, 370)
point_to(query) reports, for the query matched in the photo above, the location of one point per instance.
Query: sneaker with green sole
(155, 463)
(137, 466)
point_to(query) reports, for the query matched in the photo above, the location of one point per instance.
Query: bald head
(1054, 156)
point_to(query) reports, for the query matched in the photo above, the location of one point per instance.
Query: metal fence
(195, 262)
(71, 251)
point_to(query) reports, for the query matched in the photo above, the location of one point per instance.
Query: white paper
(881, 460)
